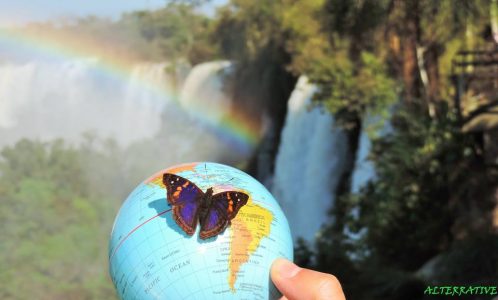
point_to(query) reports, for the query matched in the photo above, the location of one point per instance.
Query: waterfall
(373, 126)
(309, 163)
(203, 89)
(45, 100)
(142, 106)
(363, 168)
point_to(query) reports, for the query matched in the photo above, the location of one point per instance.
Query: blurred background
(374, 124)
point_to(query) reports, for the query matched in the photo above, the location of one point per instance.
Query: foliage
(420, 206)
(434, 158)
(350, 94)
(55, 224)
(173, 32)
(176, 32)
(333, 43)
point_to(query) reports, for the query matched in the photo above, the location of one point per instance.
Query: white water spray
(65, 99)
(203, 89)
(309, 163)
(41, 100)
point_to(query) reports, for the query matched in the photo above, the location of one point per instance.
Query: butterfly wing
(186, 199)
(224, 208)
(214, 223)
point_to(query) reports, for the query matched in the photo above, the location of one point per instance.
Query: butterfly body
(205, 204)
(191, 205)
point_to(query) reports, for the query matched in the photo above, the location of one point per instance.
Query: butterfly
(191, 204)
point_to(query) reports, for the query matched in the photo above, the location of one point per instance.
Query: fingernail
(285, 268)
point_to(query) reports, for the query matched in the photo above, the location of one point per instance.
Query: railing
(475, 76)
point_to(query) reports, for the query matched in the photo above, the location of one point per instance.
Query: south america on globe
(219, 247)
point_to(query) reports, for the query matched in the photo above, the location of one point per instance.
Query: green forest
(429, 217)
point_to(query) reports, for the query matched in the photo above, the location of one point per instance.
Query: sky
(18, 12)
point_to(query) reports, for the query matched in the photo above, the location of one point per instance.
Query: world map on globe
(151, 257)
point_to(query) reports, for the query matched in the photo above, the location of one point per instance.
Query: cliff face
(263, 96)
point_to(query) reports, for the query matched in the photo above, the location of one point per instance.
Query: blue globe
(151, 257)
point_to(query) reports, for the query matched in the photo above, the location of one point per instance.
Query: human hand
(302, 284)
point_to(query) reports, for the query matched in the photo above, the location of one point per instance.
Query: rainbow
(239, 130)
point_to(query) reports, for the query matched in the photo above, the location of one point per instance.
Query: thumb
(303, 284)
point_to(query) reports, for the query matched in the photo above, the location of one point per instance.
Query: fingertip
(329, 287)
(298, 283)
(284, 268)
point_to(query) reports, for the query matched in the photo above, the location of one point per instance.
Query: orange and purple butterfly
(191, 204)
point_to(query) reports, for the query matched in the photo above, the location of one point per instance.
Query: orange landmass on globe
(157, 179)
(249, 227)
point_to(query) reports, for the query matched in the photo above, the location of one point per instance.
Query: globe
(151, 257)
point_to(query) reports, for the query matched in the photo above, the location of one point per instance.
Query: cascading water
(142, 108)
(64, 99)
(309, 163)
(363, 168)
(46, 100)
(203, 89)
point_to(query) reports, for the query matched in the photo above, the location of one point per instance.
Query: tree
(55, 226)
(418, 35)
